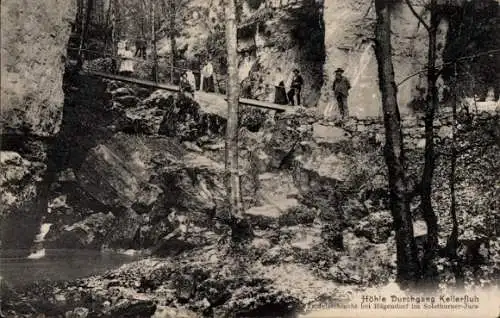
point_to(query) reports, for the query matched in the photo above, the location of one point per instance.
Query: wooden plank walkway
(121, 78)
(217, 98)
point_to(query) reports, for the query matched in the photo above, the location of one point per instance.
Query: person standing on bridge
(196, 68)
(341, 87)
(186, 83)
(140, 47)
(127, 64)
(207, 78)
(191, 80)
(295, 87)
(279, 88)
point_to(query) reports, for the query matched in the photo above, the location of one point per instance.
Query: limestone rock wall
(34, 38)
(317, 37)
(349, 27)
(33, 48)
(277, 38)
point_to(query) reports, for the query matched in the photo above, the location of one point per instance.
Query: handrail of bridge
(217, 76)
(121, 78)
(174, 88)
(119, 57)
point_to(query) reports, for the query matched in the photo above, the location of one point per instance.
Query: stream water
(57, 264)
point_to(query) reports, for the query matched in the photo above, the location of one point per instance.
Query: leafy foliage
(254, 4)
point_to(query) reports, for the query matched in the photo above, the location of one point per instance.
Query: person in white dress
(127, 63)
(191, 79)
(207, 78)
(187, 83)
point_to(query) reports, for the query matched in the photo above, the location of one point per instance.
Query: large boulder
(89, 233)
(194, 186)
(20, 182)
(320, 168)
(147, 115)
(185, 119)
(117, 172)
(142, 180)
(104, 167)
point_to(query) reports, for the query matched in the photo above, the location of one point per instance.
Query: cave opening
(308, 32)
(473, 42)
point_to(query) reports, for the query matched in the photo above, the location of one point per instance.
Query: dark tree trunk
(173, 49)
(408, 272)
(86, 25)
(80, 16)
(108, 27)
(153, 41)
(173, 53)
(452, 244)
(239, 225)
(431, 247)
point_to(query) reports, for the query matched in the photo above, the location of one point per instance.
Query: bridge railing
(144, 69)
(106, 62)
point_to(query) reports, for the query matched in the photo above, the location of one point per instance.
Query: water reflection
(60, 264)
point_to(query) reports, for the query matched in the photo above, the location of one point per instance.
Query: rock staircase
(277, 202)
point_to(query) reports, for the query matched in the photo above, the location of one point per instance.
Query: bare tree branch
(418, 16)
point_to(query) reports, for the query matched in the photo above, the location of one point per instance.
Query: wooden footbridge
(215, 101)
(203, 98)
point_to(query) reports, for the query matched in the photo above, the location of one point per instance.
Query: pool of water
(57, 264)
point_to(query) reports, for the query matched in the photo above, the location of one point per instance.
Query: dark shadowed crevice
(473, 30)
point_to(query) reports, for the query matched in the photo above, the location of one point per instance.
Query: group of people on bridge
(292, 96)
(198, 78)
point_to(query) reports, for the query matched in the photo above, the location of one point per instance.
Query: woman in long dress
(127, 64)
(208, 78)
(191, 79)
(187, 83)
(280, 91)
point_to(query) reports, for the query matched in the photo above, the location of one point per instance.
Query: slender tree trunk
(452, 244)
(108, 26)
(173, 53)
(239, 227)
(143, 18)
(408, 272)
(153, 41)
(86, 25)
(173, 50)
(429, 268)
(113, 9)
(80, 18)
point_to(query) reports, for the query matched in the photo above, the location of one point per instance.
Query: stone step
(273, 210)
(275, 187)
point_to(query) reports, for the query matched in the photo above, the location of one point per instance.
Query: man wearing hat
(341, 87)
(295, 87)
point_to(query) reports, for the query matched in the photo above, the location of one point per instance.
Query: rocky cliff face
(277, 37)
(34, 38)
(349, 36)
(318, 37)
